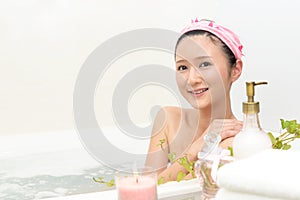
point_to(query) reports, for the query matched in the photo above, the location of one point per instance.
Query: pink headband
(224, 34)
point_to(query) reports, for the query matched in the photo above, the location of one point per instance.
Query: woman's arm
(157, 156)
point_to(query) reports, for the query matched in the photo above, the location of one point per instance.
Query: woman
(208, 61)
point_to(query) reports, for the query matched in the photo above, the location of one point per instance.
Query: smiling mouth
(199, 91)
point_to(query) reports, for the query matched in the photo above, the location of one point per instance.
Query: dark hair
(228, 53)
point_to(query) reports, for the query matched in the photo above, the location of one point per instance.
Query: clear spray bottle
(252, 139)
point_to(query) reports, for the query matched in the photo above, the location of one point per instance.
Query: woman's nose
(194, 76)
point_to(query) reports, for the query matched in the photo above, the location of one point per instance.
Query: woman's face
(202, 72)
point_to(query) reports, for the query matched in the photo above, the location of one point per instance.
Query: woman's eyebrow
(180, 61)
(202, 57)
(196, 58)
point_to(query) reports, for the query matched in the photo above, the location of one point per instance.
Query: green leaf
(111, 183)
(172, 157)
(184, 163)
(273, 140)
(108, 184)
(286, 146)
(180, 176)
(99, 180)
(230, 150)
(161, 142)
(161, 180)
(293, 126)
(292, 132)
(183, 160)
(283, 124)
(279, 144)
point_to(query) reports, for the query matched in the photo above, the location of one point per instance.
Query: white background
(43, 44)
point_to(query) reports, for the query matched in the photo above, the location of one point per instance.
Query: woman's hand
(227, 128)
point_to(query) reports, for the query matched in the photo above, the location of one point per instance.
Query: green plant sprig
(291, 131)
(183, 161)
(110, 183)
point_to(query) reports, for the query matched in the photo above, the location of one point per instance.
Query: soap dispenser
(251, 139)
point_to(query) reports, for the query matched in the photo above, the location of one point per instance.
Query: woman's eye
(181, 67)
(204, 64)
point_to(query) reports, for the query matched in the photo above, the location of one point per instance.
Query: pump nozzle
(250, 89)
(251, 106)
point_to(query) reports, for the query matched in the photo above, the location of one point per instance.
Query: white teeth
(199, 91)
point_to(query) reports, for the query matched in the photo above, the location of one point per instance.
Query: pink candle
(137, 188)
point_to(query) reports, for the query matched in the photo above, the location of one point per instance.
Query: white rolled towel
(271, 173)
(224, 194)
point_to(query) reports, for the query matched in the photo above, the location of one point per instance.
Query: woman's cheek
(181, 81)
(215, 83)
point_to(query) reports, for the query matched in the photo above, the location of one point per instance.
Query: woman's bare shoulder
(175, 117)
(173, 113)
(171, 110)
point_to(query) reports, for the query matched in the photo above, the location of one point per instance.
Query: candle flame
(135, 172)
(136, 175)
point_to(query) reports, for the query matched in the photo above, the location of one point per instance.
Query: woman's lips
(198, 92)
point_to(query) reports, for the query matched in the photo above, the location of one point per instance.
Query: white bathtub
(55, 165)
(184, 190)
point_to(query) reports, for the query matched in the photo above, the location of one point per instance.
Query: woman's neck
(206, 116)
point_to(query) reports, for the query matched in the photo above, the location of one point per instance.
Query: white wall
(43, 44)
